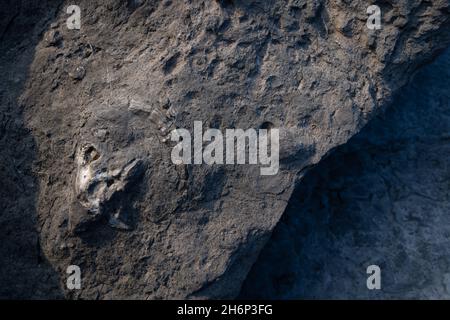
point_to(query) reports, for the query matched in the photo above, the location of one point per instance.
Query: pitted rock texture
(136, 69)
(24, 271)
(382, 199)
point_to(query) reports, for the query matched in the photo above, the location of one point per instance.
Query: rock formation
(94, 107)
(382, 198)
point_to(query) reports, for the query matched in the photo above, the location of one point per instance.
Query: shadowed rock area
(382, 199)
(24, 270)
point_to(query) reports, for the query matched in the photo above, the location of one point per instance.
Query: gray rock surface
(382, 199)
(24, 270)
(102, 99)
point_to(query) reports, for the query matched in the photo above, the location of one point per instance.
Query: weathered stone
(306, 67)
(382, 199)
